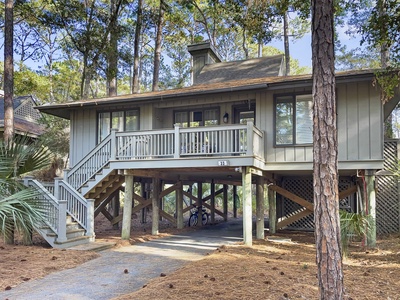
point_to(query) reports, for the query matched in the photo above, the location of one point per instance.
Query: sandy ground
(280, 269)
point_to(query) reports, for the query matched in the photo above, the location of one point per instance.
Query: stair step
(70, 233)
(75, 233)
(72, 242)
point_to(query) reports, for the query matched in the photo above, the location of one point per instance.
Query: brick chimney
(202, 54)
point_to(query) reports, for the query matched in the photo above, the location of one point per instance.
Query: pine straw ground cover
(278, 270)
(268, 270)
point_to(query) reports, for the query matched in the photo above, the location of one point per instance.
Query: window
(120, 120)
(196, 118)
(293, 120)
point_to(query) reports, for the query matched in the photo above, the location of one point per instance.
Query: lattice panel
(387, 198)
(27, 112)
(303, 187)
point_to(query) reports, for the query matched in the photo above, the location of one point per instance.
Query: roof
(25, 116)
(269, 66)
(63, 110)
(17, 101)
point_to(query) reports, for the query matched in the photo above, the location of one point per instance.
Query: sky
(301, 49)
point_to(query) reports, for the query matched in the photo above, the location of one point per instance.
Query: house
(25, 116)
(239, 124)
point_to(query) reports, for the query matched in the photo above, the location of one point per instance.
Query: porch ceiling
(223, 175)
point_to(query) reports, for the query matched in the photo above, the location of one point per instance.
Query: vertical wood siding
(83, 134)
(359, 120)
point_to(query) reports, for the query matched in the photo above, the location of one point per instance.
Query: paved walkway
(104, 277)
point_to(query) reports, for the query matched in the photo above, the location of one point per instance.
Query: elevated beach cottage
(240, 123)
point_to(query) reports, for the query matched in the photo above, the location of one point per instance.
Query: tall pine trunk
(8, 70)
(286, 42)
(9, 88)
(157, 50)
(136, 50)
(326, 202)
(384, 52)
(113, 52)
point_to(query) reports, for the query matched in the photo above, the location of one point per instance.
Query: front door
(244, 113)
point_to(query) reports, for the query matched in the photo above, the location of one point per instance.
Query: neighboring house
(26, 118)
(241, 123)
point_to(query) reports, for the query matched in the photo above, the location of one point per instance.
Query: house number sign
(223, 163)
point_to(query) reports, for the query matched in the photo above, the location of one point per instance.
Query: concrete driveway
(104, 277)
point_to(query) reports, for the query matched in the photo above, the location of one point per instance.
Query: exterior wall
(360, 131)
(360, 122)
(83, 134)
(84, 129)
(164, 111)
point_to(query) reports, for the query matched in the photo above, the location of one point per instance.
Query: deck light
(225, 117)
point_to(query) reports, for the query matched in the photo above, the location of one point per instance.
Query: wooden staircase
(75, 235)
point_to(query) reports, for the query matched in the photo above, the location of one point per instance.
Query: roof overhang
(271, 83)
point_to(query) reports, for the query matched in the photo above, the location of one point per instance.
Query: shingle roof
(17, 101)
(21, 125)
(268, 66)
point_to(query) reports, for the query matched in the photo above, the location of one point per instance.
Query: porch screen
(293, 120)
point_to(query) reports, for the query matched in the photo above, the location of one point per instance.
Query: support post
(161, 206)
(371, 205)
(144, 195)
(90, 220)
(179, 205)
(272, 211)
(225, 202)
(155, 208)
(249, 142)
(62, 221)
(247, 209)
(234, 192)
(115, 206)
(212, 201)
(199, 203)
(113, 154)
(127, 213)
(57, 192)
(260, 207)
(177, 144)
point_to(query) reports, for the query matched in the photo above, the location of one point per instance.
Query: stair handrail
(54, 210)
(78, 207)
(92, 162)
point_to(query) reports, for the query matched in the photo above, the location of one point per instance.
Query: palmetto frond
(19, 207)
(22, 156)
(21, 211)
(354, 226)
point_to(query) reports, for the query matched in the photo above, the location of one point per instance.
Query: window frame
(110, 112)
(294, 131)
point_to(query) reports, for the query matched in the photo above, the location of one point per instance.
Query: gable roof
(270, 83)
(269, 66)
(25, 116)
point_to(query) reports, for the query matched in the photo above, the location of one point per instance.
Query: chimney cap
(204, 46)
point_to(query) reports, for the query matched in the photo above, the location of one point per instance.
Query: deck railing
(66, 200)
(54, 210)
(80, 209)
(227, 140)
